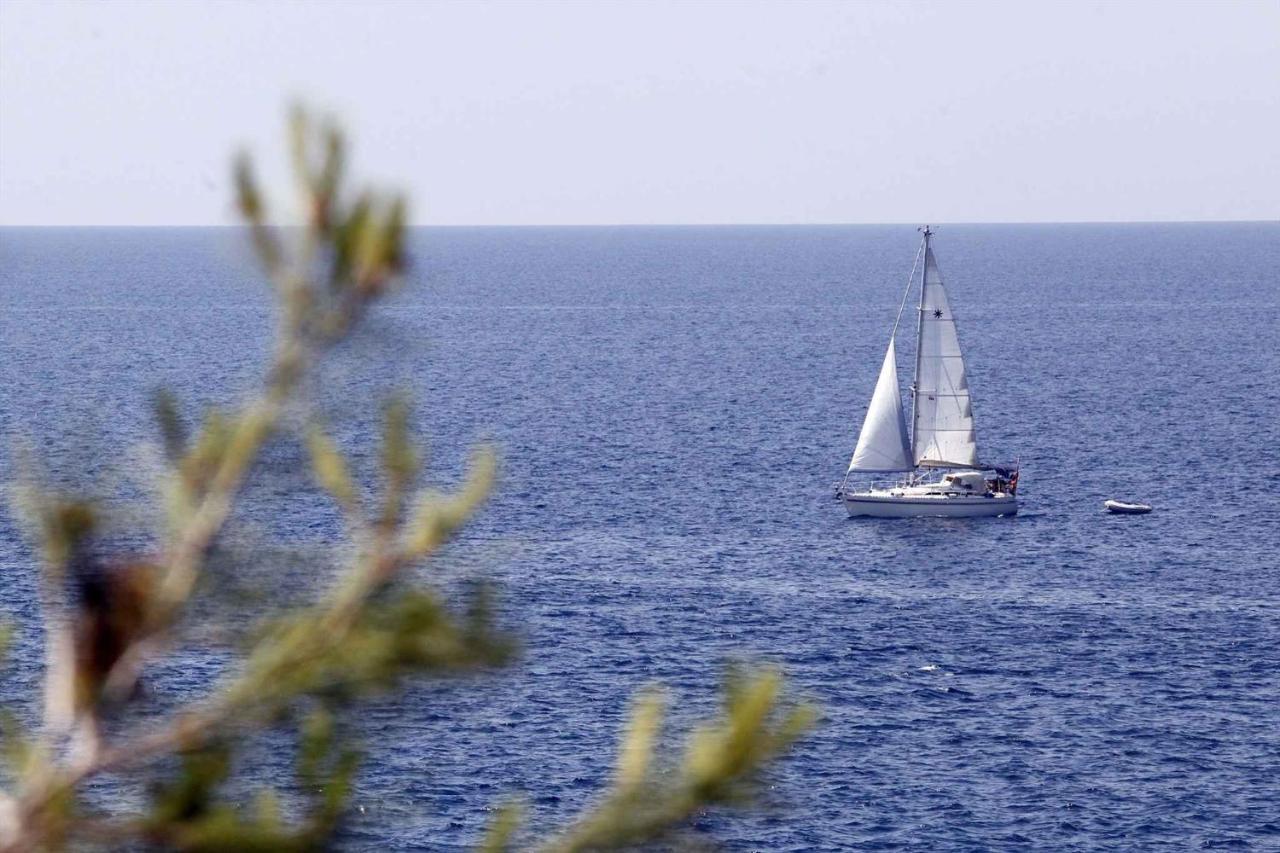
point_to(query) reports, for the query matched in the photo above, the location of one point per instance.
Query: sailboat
(942, 437)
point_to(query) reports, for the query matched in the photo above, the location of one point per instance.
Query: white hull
(886, 505)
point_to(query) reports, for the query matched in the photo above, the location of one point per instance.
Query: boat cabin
(969, 482)
(958, 483)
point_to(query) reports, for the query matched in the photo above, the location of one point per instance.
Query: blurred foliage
(108, 615)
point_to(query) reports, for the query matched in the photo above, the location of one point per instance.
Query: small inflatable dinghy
(1126, 508)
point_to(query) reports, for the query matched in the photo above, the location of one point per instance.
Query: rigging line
(911, 280)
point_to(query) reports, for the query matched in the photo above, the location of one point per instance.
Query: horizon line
(512, 225)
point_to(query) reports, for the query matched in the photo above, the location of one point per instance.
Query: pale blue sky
(596, 113)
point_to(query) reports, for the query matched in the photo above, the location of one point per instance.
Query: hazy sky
(594, 112)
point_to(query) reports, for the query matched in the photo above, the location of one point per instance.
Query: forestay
(943, 433)
(882, 444)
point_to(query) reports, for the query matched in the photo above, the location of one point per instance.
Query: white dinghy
(942, 434)
(1123, 508)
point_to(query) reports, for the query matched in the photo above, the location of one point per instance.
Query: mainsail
(882, 444)
(942, 434)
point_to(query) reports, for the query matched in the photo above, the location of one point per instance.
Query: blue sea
(673, 406)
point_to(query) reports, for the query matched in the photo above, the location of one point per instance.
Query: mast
(915, 378)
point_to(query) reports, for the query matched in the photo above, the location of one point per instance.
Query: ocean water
(673, 407)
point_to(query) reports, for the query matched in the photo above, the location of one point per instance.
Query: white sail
(882, 444)
(942, 435)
